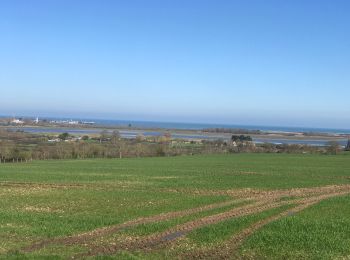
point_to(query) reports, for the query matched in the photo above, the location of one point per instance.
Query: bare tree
(115, 137)
(333, 147)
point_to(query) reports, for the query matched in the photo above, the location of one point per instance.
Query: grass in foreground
(320, 232)
(69, 197)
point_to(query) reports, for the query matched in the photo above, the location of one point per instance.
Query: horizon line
(238, 125)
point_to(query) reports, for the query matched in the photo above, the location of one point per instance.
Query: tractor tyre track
(149, 242)
(104, 231)
(229, 249)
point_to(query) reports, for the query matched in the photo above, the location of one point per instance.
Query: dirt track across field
(260, 201)
(105, 231)
(228, 249)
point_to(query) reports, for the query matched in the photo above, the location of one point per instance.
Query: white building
(71, 122)
(17, 121)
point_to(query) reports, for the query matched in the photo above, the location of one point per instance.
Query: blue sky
(235, 62)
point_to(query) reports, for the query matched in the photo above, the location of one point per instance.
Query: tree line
(24, 147)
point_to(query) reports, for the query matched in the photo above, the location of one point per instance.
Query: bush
(63, 136)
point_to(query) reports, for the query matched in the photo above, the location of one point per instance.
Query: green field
(250, 206)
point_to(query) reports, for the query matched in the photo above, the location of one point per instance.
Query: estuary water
(134, 133)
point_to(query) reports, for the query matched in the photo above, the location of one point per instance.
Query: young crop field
(238, 206)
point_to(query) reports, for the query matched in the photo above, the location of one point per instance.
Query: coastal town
(20, 121)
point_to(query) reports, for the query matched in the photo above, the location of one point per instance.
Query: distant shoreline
(152, 125)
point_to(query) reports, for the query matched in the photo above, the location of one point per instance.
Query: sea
(200, 126)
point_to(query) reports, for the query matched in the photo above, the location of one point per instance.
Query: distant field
(272, 206)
